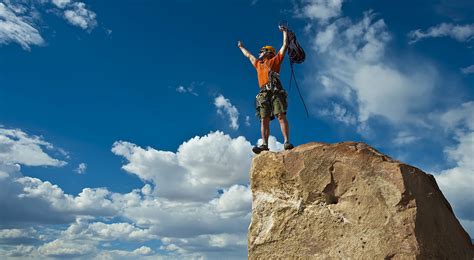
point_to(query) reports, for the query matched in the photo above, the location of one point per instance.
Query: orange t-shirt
(263, 66)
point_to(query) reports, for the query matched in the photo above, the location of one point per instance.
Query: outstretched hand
(282, 28)
(240, 44)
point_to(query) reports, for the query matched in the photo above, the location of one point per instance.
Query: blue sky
(155, 101)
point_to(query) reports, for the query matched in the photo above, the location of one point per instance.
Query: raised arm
(246, 52)
(285, 40)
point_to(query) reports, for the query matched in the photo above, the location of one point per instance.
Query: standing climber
(271, 100)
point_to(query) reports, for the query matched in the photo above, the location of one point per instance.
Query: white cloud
(20, 251)
(201, 165)
(61, 3)
(235, 201)
(247, 120)
(468, 70)
(390, 93)
(333, 87)
(209, 246)
(17, 236)
(320, 10)
(357, 74)
(404, 138)
(191, 217)
(99, 231)
(63, 248)
(30, 200)
(181, 89)
(457, 182)
(18, 27)
(179, 219)
(18, 19)
(461, 33)
(189, 89)
(81, 168)
(223, 105)
(457, 117)
(80, 16)
(142, 252)
(339, 113)
(17, 147)
(197, 203)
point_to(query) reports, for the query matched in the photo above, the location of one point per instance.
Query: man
(271, 101)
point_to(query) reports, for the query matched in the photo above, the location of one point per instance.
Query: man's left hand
(282, 28)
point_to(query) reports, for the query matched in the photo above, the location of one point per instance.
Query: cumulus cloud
(461, 33)
(17, 27)
(99, 231)
(247, 120)
(404, 138)
(339, 113)
(456, 182)
(189, 89)
(468, 70)
(17, 147)
(223, 105)
(200, 165)
(195, 201)
(61, 3)
(211, 244)
(19, 19)
(182, 203)
(320, 10)
(30, 200)
(358, 79)
(234, 201)
(62, 249)
(81, 168)
(80, 16)
(142, 252)
(17, 236)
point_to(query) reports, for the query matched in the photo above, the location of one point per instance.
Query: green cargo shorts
(271, 103)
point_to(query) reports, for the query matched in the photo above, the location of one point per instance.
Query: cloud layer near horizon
(194, 202)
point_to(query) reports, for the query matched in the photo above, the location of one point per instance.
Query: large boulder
(348, 200)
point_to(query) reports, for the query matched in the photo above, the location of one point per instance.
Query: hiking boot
(260, 148)
(288, 146)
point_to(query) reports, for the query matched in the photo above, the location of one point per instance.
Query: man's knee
(282, 116)
(265, 120)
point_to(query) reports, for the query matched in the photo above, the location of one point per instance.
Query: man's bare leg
(265, 128)
(285, 128)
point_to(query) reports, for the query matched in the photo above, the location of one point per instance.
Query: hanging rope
(296, 55)
(293, 77)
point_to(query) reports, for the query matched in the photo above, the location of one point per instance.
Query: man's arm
(285, 41)
(246, 52)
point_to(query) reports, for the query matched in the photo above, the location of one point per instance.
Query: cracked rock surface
(347, 200)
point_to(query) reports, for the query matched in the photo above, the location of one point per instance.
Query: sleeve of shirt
(255, 63)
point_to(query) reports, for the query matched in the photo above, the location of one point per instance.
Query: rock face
(347, 200)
